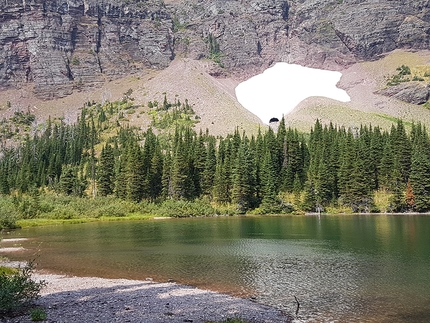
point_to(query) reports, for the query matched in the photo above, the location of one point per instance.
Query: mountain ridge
(61, 45)
(52, 49)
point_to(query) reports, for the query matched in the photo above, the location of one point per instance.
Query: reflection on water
(341, 268)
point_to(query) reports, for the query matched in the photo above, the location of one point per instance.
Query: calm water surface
(341, 268)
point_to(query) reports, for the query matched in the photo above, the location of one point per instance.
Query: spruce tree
(156, 174)
(166, 191)
(270, 202)
(243, 179)
(409, 197)
(208, 174)
(397, 187)
(179, 174)
(121, 176)
(68, 181)
(106, 171)
(420, 180)
(403, 149)
(387, 167)
(222, 186)
(135, 174)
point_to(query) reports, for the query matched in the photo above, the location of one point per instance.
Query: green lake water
(340, 268)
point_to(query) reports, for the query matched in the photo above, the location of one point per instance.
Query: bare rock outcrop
(61, 45)
(410, 92)
(65, 45)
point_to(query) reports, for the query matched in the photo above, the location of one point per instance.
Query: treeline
(330, 167)
(348, 166)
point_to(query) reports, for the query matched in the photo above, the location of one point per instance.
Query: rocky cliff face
(62, 45)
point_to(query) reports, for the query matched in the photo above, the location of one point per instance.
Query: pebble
(89, 299)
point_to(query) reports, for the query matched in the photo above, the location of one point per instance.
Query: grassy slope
(361, 81)
(214, 99)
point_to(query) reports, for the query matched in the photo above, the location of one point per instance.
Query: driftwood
(298, 305)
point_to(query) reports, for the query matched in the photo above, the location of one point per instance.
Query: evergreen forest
(101, 166)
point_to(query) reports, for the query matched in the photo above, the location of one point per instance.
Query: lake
(341, 268)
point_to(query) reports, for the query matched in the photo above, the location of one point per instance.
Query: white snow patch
(280, 88)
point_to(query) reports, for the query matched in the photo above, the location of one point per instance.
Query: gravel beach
(92, 299)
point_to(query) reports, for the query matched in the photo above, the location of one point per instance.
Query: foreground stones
(78, 299)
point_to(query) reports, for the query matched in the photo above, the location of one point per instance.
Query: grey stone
(410, 92)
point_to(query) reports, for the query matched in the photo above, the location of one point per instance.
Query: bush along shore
(100, 166)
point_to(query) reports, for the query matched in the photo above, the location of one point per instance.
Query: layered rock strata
(65, 45)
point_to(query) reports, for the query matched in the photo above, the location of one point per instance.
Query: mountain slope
(72, 51)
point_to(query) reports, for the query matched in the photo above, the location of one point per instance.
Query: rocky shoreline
(92, 299)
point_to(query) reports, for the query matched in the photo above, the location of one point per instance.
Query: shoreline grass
(26, 223)
(46, 209)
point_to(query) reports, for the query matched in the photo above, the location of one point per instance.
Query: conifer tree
(397, 200)
(221, 189)
(147, 155)
(376, 151)
(121, 176)
(403, 150)
(259, 157)
(179, 173)
(386, 168)
(346, 169)
(270, 202)
(420, 180)
(4, 183)
(166, 182)
(135, 174)
(323, 185)
(106, 171)
(410, 197)
(355, 190)
(68, 181)
(310, 200)
(243, 179)
(208, 174)
(156, 174)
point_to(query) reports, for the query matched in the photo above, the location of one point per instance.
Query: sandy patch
(13, 240)
(11, 249)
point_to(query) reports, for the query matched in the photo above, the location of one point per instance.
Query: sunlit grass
(7, 270)
(44, 221)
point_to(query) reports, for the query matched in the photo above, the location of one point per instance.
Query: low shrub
(181, 208)
(7, 270)
(38, 314)
(8, 215)
(18, 290)
(117, 208)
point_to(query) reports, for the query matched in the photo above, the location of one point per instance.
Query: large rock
(410, 92)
